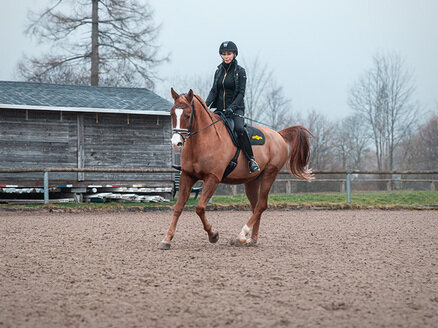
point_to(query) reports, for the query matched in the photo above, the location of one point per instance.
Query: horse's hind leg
(186, 183)
(210, 185)
(250, 231)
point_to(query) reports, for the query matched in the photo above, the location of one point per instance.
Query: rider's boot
(253, 166)
(245, 144)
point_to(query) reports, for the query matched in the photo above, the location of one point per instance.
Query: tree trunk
(95, 44)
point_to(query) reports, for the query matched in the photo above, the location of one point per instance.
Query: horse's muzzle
(179, 137)
(177, 141)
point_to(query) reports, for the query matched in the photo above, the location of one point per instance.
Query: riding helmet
(228, 46)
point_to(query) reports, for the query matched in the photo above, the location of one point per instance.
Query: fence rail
(347, 174)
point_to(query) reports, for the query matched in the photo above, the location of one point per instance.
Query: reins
(250, 119)
(213, 123)
(186, 133)
(192, 133)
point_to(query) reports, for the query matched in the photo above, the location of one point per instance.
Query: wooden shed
(65, 126)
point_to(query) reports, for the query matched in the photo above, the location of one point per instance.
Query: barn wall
(49, 139)
(134, 141)
(37, 139)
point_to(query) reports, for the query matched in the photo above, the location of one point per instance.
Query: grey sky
(316, 48)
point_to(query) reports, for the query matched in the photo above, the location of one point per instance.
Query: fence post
(432, 186)
(348, 187)
(46, 187)
(288, 187)
(389, 185)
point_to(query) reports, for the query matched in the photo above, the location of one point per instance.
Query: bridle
(186, 133)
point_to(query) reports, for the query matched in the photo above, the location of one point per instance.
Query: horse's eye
(187, 116)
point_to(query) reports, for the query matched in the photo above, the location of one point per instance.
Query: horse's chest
(203, 164)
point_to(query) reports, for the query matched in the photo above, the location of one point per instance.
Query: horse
(207, 148)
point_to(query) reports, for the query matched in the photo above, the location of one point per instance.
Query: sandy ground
(310, 269)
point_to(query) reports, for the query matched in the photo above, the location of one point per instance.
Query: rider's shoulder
(241, 71)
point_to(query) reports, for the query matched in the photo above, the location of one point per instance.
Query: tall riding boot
(245, 144)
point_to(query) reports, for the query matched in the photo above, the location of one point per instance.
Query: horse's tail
(297, 138)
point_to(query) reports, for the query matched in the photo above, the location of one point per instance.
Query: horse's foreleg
(210, 185)
(252, 190)
(250, 231)
(186, 183)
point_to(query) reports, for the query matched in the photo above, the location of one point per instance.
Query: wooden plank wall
(50, 139)
(37, 139)
(129, 141)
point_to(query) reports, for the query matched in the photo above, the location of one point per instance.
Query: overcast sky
(316, 48)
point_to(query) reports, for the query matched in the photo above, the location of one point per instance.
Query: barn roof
(56, 97)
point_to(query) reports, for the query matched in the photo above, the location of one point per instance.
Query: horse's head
(182, 114)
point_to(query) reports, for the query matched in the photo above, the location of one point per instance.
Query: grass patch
(383, 198)
(362, 199)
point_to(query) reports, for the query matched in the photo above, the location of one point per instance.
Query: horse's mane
(203, 105)
(210, 114)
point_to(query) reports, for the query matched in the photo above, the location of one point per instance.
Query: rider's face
(228, 56)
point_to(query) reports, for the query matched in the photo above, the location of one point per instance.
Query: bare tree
(94, 42)
(322, 152)
(351, 141)
(383, 96)
(200, 85)
(420, 151)
(258, 78)
(277, 107)
(429, 137)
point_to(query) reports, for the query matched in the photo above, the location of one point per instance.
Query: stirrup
(253, 166)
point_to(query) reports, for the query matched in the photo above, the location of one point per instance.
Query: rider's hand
(229, 112)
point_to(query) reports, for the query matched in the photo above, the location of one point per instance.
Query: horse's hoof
(237, 242)
(163, 245)
(214, 239)
(251, 243)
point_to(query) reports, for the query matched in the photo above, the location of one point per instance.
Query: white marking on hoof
(243, 233)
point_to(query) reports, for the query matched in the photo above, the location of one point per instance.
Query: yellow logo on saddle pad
(257, 137)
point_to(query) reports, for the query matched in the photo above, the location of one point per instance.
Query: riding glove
(229, 112)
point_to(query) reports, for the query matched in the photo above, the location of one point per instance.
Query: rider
(227, 95)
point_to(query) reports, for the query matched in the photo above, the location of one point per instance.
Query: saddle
(256, 138)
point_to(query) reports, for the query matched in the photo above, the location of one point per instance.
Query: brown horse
(207, 149)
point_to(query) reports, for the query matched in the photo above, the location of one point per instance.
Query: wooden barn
(65, 126)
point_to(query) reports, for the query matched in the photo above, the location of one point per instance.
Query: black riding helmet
(228, 46)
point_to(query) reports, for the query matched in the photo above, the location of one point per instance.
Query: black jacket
(236, 101)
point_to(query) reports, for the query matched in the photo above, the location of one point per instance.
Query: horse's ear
(190, 96)
(174, 94)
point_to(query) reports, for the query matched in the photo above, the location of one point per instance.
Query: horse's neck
(204, 118)
(200, 154)
(211, 134)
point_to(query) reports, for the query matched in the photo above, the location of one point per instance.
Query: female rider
(227, 95)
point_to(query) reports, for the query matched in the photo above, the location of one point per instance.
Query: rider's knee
(239, 130)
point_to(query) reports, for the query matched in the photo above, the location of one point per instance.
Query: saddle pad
(256, 137)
